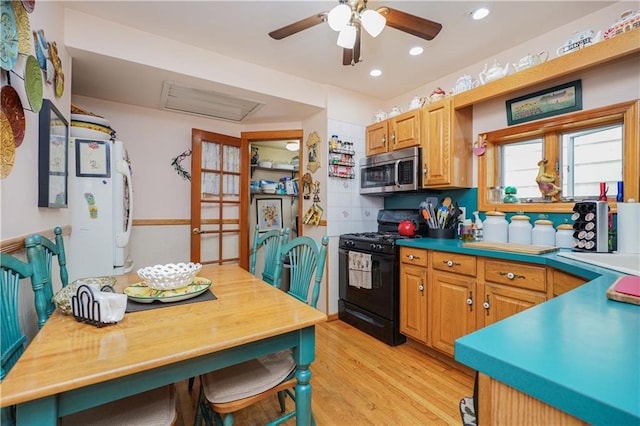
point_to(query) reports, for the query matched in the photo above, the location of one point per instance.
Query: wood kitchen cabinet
(444, 296)
(446, 145)
(452, 289)
(413, 293)
(562, 282)
(402, 131)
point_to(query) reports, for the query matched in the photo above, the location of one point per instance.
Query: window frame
(627, 113)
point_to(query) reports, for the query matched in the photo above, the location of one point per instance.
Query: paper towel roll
(628, 230)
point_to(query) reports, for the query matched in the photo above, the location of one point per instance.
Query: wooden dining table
(71, 366)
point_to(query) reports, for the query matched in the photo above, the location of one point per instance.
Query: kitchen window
(582, 149)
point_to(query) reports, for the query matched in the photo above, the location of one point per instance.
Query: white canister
(543, 233)
(520, 229)
(564, 236)
(495, 227)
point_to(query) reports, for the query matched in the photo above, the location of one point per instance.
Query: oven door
(382, 298)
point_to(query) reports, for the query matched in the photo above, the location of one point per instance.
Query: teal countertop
(579, 352)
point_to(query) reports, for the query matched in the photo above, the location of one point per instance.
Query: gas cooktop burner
(387, 237)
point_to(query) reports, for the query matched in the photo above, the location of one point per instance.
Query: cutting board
(625, 289)
(512, 247)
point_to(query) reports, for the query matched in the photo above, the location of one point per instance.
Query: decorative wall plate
(12, 109)
(33, 83)
(29, 5)
(7, 147)
(24, 28)
(8, 36)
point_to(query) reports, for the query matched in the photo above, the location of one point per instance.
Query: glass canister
(564, 236)
(543, 233)
(495, 227)
(520, 229)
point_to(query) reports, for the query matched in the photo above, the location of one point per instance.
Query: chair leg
(191, 379)
(281, 398)
(202, 410)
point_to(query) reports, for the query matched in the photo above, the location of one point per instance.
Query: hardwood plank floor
(358, 380)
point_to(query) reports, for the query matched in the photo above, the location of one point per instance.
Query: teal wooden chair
(12, 339)
(44, 293)
(268, 242)
(231, 389)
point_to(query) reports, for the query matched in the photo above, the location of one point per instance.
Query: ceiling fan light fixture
(373, 22)
(347, 37)
(339, 17)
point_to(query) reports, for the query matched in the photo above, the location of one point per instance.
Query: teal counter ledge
(578, 352)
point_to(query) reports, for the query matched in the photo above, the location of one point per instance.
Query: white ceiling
(239, 29)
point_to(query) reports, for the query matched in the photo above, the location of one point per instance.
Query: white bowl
(169, 276)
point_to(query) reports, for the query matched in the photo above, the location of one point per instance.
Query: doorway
(275, 164)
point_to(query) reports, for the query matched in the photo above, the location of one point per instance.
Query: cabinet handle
(470, 301)
(412, 257)
(421, 288)
(486, 305)
(425, 170)
(393, 137)
(450, 263)
(511, 275)
(384, 140)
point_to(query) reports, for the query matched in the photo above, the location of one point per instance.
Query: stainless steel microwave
(395, 171)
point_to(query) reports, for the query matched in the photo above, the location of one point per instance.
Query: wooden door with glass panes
(218, 188)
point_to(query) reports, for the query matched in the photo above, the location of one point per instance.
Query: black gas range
(372, 304)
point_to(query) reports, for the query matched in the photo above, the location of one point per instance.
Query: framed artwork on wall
(269, 213)
(53, 143)
(545, 103)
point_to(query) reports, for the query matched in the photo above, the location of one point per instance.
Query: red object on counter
(407, 228)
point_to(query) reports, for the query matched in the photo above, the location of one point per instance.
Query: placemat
(137, 307)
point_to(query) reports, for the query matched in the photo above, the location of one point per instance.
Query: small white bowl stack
(169, 276)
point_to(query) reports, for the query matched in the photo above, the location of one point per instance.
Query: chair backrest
(305, 258)
(40, 260)
(56, 249)
(269, 242)
(12, 340)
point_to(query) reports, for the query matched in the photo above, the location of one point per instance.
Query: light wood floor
(358, 380)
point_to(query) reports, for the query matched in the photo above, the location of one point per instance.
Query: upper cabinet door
(376, 142)
(405, 130)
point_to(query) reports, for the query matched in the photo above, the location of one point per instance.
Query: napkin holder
(86, 306)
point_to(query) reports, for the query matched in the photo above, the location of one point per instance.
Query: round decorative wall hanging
(24, 28)
(9, 36)
(33, 83)
(7, 147)
(12, 109)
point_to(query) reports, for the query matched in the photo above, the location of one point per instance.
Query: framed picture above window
(53, 142)
(545, 103)
(269, 213)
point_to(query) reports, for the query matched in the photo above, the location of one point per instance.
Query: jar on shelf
(520, 229)
(543, 233)
(333, 142)
(495, 227)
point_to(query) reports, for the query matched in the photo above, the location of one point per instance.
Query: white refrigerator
(101, 208)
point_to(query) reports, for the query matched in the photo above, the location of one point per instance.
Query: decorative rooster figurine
(546, 182)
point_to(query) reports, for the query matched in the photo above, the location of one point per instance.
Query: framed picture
(93, 158)
(53, 142)
(269, 213)
(545, 103)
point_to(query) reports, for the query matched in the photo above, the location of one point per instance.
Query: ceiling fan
(350, 16)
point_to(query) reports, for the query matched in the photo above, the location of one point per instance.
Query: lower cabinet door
(413, 302)
(499, 302)
(452, 306)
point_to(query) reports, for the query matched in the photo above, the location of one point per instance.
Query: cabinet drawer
(413, 256)
(515, 274)
(453, 262)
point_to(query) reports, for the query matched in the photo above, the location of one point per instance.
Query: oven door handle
(397, 177)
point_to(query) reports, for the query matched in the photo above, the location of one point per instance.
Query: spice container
(495, 227)
(520, 229)
(543, 233)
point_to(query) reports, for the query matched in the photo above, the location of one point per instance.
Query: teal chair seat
(226, 391)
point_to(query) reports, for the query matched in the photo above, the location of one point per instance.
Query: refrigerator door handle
(122, 239)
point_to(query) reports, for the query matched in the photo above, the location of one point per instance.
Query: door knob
(196, 231)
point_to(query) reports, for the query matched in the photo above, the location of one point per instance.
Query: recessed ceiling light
(480, 13)
(415, 51)
(375, 73)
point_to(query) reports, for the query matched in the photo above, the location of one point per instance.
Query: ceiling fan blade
(352, 56)
(411, 24)
(298, 26)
